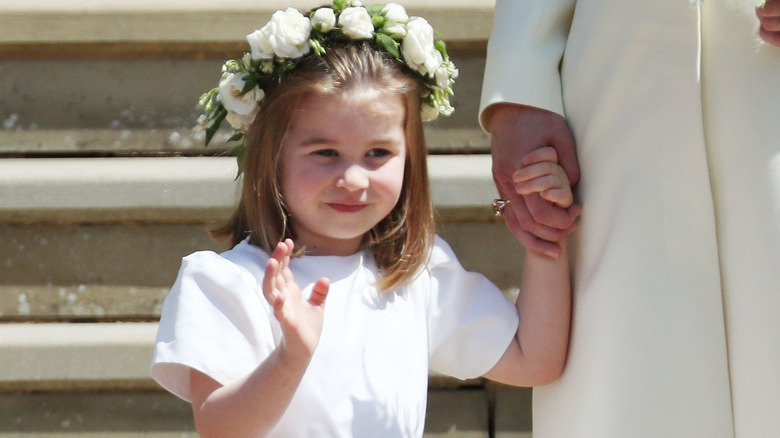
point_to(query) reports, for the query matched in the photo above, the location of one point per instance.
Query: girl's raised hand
(542, 174)
(301, 320)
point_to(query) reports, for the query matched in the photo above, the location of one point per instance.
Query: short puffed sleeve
(471, 321)
(214, 320)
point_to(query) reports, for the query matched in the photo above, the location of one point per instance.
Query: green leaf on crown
(388, 44)
(213, 121)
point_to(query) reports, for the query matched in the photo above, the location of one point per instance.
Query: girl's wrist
(293, 361)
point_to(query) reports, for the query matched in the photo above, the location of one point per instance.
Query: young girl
(337, 297)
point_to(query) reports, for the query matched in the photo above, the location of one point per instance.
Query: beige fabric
(676, 261)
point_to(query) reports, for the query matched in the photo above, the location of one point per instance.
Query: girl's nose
(354, 178)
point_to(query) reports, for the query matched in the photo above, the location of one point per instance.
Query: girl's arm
(537, 354)
(253, 405)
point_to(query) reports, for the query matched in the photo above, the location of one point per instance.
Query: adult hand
(301, 320)
(517, 130)
(769, 17)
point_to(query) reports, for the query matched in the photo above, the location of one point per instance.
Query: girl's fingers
(537, 170)
(320, 292)
(561, 197)
(540, 184)
(269, 281)
(288, 248)
(539, 155)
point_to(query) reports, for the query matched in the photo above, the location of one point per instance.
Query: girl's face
(342, 168)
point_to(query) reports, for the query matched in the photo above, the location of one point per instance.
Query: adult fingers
(770, 37)
(539, 155)
(769, 18)
(770, 9)
(563, 142)
(530, 241)
(520, 208)
(546, 213)
(769, 22)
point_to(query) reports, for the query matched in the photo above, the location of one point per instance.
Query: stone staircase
(105, 185)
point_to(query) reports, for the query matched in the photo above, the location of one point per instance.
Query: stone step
(55, 22)
(123, 77)
(54, 357)
(123, 107)
(462, 413)
(185, 140)
(123, 272)
(186, 189)
(101, 238)
(93, 356)
(55, 379)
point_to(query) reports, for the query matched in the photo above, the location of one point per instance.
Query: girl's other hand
(542, 174)
(301, 320)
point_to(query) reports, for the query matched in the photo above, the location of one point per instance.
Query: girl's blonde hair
(402, 241)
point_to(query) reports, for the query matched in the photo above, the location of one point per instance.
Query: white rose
(286, 35)
(428, 113)
(433, 62)
(417, 46)
(241, 109)
(356, 23)
(395, 12)
(323, 19)
(240, 123)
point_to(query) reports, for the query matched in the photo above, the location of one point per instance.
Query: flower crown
(289, 36)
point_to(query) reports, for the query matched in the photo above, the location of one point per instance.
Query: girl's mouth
(346, 208)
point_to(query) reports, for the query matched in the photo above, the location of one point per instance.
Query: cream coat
(674, 106)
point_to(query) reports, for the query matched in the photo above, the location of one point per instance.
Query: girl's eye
(378, 153)
(326, 153)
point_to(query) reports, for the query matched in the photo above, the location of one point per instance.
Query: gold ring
(498, 206)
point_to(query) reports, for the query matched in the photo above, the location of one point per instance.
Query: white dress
(674, 105)
(368, 376)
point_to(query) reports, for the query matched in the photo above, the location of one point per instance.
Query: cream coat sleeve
(524, 53)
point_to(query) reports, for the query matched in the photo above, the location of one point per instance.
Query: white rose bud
(442, 77)
(356, 23)
(323, 19)
(417, 46)
(241, 109)
(286, 35)
(396, 15)
(396, 30)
